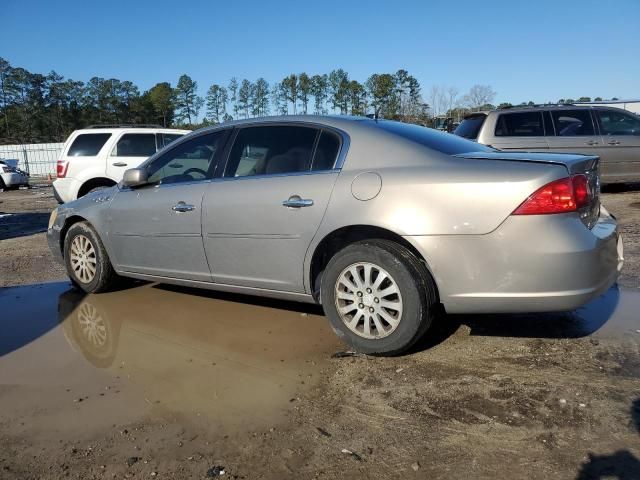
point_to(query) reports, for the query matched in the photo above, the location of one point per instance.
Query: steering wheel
(195, 170)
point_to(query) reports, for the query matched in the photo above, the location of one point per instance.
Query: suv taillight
(61, 168)
(560, 196)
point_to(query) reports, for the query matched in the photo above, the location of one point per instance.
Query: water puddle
(157, 350)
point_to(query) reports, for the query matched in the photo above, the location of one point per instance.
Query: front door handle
(183, 207)
(591, 143)
(119, 164)
(613, 142)
(295, 201)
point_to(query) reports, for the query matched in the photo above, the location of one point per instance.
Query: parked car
(96, 157)
(611, 133)
(11, 176)
(378, 221)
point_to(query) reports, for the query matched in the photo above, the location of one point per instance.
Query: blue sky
(534, 50)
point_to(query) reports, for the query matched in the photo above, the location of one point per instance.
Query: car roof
(341, 122)
(131, 130)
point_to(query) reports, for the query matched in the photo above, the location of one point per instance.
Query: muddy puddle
(69, 360)
(150, 350)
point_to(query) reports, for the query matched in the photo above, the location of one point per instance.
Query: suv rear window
(470, 127)
(88, 144)
(520, 124)
(439, 141)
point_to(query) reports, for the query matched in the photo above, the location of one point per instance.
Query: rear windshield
(439, 141)
(88, 144)
(470, 127)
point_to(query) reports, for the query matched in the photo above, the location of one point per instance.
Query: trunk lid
(575, 164)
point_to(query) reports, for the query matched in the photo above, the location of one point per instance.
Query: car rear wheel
(2, 185)
(86, 259)
(379, 298)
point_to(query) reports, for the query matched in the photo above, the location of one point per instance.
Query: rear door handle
(591, 143)
(182, 207)
(119, 164)
(613, 142)
(295, 201)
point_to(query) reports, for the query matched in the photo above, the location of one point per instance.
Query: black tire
(2, 185)
(105, 277)
(417, 288)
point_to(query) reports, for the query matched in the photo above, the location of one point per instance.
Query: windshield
(470, 127)
(434, 139)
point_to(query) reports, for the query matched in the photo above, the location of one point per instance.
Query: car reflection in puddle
(200, 352)
(232, 361)
(175, 350)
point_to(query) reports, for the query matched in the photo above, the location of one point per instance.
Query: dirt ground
(166, 382)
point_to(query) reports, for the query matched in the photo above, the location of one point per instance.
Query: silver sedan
(383, 223)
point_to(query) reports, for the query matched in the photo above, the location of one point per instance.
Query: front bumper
(53, 239)
(530, 263)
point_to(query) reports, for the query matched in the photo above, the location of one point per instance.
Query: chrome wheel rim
(92, 325)
(368, 300)
(83, 259)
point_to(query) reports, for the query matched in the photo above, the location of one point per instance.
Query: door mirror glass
(135, 177)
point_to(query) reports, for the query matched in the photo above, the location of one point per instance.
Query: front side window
(521, 124)
(135, 145)
(572, 123)
(88, 144)
(618, 123)
(271, 150)
(187, 162)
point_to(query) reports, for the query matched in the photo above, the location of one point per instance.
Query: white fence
(38, 159)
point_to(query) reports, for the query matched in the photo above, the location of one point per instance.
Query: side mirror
(135, 177)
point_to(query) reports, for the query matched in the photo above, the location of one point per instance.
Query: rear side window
(167, 138)
(271, 150)
(470, 127)
(326, 151)
(572, 123)
(618, 123)
(135, 145)
(520, 124)
(88, 144)
(442, 142)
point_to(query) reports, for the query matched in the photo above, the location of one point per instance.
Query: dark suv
(611, 133)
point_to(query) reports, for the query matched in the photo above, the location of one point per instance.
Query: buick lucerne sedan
(382, 223)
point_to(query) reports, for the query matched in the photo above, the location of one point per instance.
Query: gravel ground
(155, 382)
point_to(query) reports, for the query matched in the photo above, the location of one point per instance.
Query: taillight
(61, 168)
(560, 196)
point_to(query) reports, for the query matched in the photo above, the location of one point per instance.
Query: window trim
(337, 165)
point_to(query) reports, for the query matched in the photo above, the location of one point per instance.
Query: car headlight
(52, 218)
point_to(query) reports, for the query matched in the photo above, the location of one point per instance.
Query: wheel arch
(343, 236)
(93, 183)
(68, 223)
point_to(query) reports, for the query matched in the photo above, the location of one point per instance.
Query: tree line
(45, 108)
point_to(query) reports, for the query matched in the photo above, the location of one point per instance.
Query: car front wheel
(379, 298)
(86, 259)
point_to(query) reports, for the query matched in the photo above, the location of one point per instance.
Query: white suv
(96, 157)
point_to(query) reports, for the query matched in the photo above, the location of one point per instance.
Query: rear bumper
(529, 264)
(14, 179)
(65, 189)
